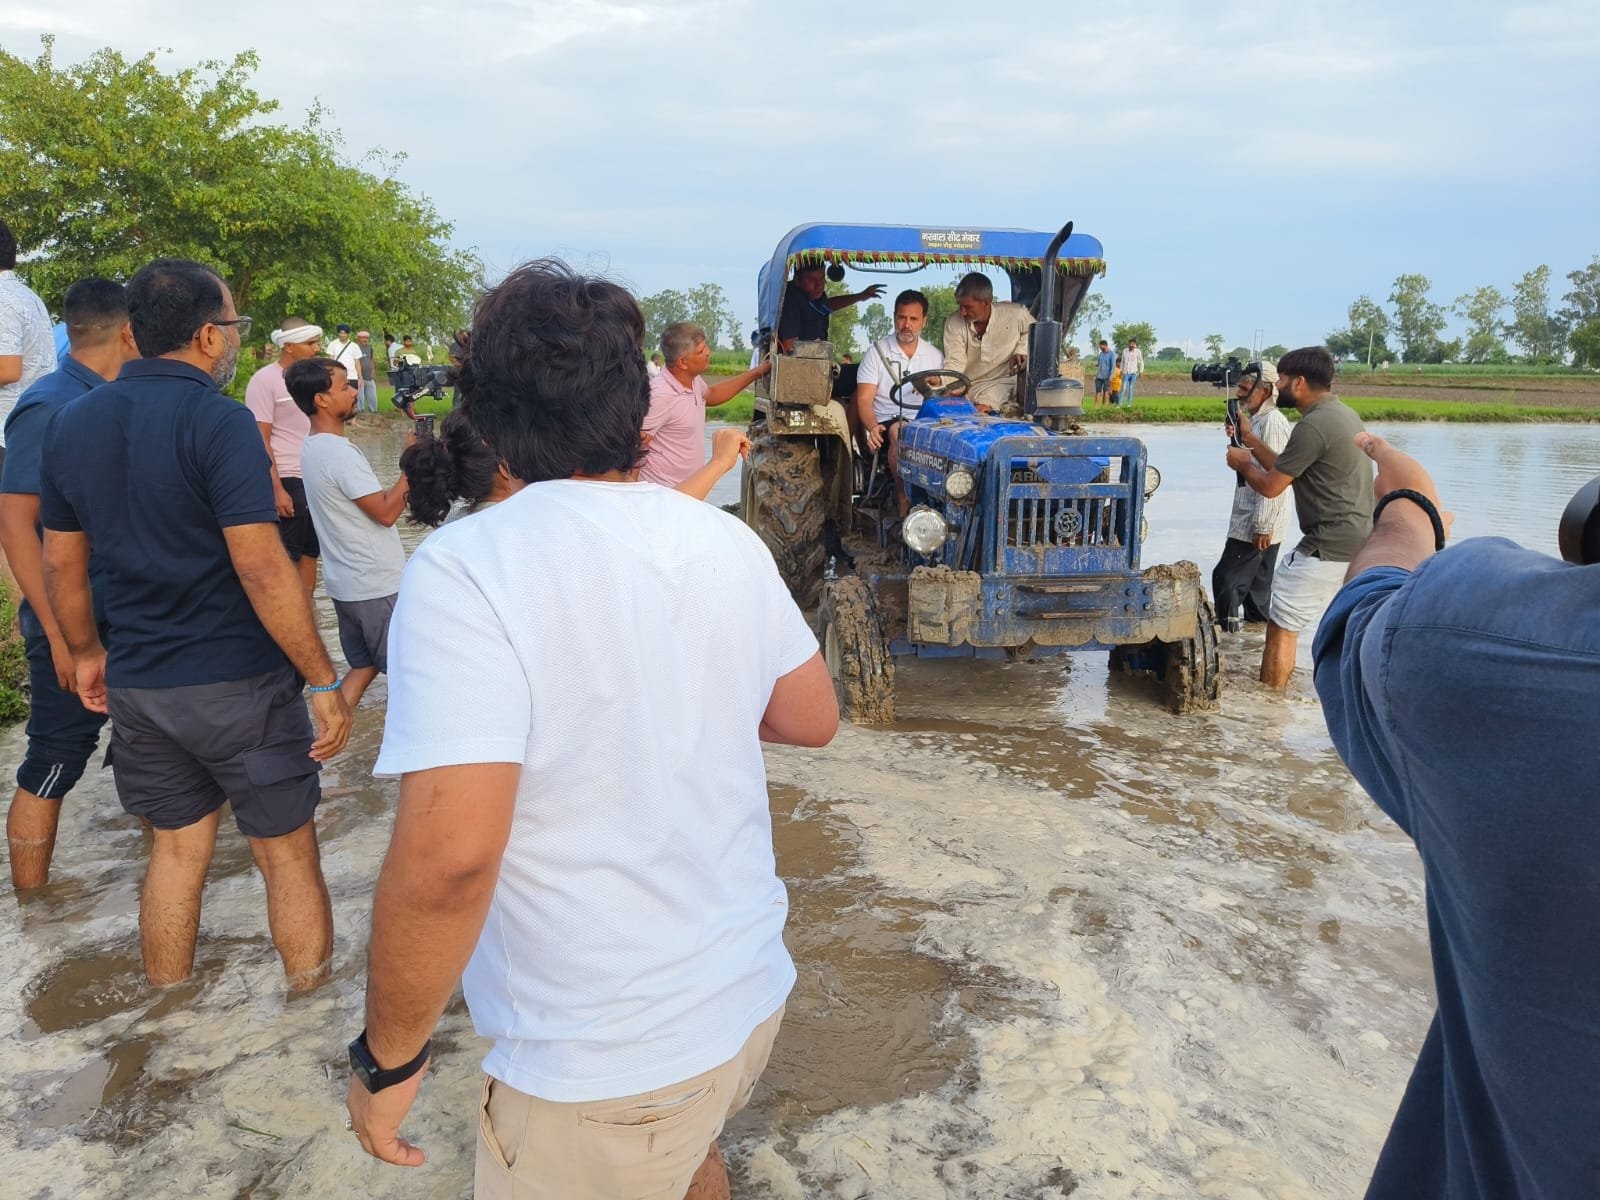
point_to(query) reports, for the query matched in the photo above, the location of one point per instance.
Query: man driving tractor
(881, 402)
(988, 343)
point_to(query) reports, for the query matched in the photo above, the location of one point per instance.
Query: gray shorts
(364, 631)
(178, 754)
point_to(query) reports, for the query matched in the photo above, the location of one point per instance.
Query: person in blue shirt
(1461, 688)
(1104, 364)
(62, 733)
(163, 482)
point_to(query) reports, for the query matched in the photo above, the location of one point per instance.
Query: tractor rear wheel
(783, 502)
(856, 651)
(1193, 674)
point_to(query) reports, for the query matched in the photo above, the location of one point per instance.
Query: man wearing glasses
(210, 634)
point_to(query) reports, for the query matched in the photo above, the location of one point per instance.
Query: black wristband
(374, 1078)
(1421, 502)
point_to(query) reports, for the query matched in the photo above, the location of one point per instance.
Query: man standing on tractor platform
(1332, 482)
(1242, 581)
(879, 405)
(675, 427)
(807, 308)
(988, 343)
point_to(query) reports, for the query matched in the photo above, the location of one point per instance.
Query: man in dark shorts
(363, 557)
(62, 733)
(162, 481)
(283, 430)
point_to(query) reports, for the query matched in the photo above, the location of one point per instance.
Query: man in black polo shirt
(62, 734)
(164, 481)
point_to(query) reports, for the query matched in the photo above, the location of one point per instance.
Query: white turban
(301, 333)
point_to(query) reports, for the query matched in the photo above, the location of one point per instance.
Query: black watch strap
(1421, 502)
(373, 1077)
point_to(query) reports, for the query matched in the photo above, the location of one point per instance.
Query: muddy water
(1050, 941)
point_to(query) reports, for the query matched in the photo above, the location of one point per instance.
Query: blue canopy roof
(867, 246)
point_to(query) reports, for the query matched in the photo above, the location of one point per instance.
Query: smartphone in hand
(424, 426)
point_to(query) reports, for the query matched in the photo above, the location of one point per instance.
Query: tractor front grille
(1063, 522)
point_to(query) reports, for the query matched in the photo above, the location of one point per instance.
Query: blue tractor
(1023, 536)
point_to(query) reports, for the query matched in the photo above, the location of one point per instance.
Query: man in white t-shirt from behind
(888, 361)
(580, 682)
(362, 557)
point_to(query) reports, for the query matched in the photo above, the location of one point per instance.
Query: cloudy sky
(1250, 165)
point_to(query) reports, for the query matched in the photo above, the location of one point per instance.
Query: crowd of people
(610, 904)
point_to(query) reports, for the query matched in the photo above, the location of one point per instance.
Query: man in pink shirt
(284, 428)
(675, 427)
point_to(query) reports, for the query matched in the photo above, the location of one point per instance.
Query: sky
(1251, 166)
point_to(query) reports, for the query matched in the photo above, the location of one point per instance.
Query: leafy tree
(941, 306)
(1141, 331)
(1536, 331)
(709, 309)
(665, 308)
(1585, 343)
(1094, 314)
(875, 322)
(109, 163)
(842, 325)
(1418, 321)
(1366, 337)
(1242, 353)
(1583, 301)
(1167, 353)
(1214, 344)
(1274, 353)
(1481, 310)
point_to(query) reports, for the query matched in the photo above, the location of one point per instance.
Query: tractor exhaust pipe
(1050, 399)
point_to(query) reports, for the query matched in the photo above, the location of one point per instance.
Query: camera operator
(1242, 581)
(1332, 483)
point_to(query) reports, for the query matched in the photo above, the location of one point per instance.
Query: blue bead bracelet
(332, 687)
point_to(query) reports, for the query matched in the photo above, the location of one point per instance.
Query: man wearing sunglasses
(210, 634)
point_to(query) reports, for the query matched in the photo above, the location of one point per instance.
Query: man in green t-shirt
(1332, 481)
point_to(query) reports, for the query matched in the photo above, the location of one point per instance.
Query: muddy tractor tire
(856, 651)
(1190, 670)
(783, 501)
(1192, 680)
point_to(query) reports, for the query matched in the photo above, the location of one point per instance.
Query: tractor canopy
(903, 249)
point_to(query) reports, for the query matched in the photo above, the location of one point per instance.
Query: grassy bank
(13, 661)
(1208, 410)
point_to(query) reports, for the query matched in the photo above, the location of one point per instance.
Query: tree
(842, 324)
(1242, 353)
(1418, 321)
(1274, 353)
(1583, 301)
(709, 309)
(1366, 337)
(941, 307)
(1485, 340)
(1168, 354)
(1585, 343)
(109, 163)
(660, 310)
(1094, 314)
(1141, 331)
(1536, 331)
(1214, 344)
(876, 322)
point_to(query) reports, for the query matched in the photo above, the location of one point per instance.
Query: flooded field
(1051, 941)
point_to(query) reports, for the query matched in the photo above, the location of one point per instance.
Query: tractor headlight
(923, 530)
(959, 483)
(1144, 529)
(1152, 480)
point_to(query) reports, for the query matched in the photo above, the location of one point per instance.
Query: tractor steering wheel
(952, 381)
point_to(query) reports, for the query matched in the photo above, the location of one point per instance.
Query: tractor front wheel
(855, 650)
(783, 502)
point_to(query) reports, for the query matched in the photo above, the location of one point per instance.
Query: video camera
(412, 380)
(1223, 374)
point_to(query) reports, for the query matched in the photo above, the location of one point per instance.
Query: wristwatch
(373, 1077)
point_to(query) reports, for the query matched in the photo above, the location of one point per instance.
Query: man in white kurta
(988, 343)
